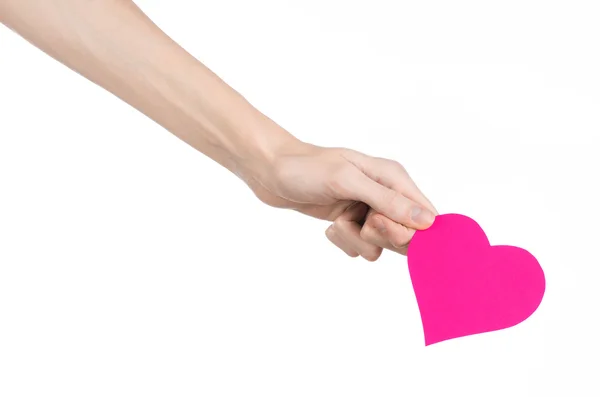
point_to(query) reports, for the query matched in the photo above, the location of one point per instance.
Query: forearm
(113, 44)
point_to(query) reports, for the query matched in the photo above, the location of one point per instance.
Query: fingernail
(421, 216)
(378, 223)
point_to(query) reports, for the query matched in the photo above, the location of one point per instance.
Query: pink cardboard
(464, 286)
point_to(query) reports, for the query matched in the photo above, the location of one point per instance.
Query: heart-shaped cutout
(465, 286)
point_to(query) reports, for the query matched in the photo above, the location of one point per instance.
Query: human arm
(115, 45)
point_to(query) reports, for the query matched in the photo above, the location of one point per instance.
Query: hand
(373, 202)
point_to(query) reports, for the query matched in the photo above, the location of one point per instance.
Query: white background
(130, 265)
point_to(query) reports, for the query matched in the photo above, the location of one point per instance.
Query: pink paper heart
(464, 286)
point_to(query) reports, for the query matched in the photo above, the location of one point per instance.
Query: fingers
(414, 193)
(390, 203)
(339, 242)
(398, 207)
(390, 174)
(393, 175)
(345, 234)
(383, 232)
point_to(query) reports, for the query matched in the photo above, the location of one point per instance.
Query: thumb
(395, 206)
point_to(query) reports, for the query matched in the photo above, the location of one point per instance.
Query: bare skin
(372, 202)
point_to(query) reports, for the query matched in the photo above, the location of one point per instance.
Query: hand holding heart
(462, 284)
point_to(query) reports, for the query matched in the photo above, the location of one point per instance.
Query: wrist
(262, 143)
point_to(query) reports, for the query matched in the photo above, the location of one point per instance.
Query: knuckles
(372, 256)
